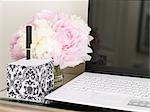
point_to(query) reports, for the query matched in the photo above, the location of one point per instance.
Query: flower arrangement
(55, 35)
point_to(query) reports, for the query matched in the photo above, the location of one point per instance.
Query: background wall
(15, 13)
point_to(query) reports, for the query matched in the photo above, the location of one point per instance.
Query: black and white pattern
(31, 83)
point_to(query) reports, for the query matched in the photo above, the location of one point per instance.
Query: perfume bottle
(30, 79)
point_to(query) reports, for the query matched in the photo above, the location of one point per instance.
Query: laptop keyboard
(121, 86)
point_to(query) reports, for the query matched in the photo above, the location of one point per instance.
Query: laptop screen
(121, 37)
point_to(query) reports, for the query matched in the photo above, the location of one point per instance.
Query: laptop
(118, 76)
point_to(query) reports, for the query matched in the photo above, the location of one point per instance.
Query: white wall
(15, 13)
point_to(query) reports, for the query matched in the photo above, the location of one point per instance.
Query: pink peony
(74, 43)
(16, 51)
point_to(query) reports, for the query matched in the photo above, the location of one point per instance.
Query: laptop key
(139, 103)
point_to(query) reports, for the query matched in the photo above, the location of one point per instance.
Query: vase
(58, 77)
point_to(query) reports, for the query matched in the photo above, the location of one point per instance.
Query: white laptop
(106, 91)
(118, 76)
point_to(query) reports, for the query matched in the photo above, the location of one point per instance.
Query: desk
(6, 106)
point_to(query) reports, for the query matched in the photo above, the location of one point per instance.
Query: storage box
(30, 80)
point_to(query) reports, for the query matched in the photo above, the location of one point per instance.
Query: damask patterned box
(30, 80)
